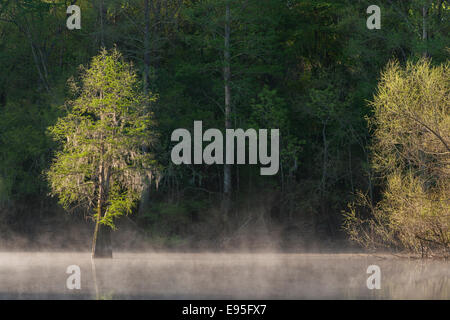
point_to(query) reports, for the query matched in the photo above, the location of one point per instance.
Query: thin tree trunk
(157, 33)
(145, 196)
(439, 15)
(101, 241)
(369, 172)
(95, 236)
(350, 166)
(424, 29)
(101, 37)
(95, 252)
(226, 76)
(42, 73)
(325, 156)
(323, 201)
(102, 28)
(146, 45)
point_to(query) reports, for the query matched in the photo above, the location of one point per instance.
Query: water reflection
(220, 276)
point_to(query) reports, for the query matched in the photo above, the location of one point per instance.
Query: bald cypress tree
(101, 165)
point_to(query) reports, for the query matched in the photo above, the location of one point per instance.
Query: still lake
(42, 275)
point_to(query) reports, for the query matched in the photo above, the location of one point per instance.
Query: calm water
(220, 276)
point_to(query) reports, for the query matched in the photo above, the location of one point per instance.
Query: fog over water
(42, 275)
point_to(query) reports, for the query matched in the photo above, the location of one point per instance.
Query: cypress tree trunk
(101, 241)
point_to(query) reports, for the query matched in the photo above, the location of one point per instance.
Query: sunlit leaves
(103, 139)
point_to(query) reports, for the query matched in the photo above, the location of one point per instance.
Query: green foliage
(306, 67)
(411, 152)
(411, 119)
(23, 148)
(102, 137)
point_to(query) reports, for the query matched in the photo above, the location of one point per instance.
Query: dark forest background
(309, 68)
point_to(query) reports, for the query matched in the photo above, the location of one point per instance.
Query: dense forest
(363, 114)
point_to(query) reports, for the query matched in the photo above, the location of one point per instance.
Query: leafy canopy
(103, 137)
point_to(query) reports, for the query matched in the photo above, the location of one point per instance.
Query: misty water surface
(25, 275)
